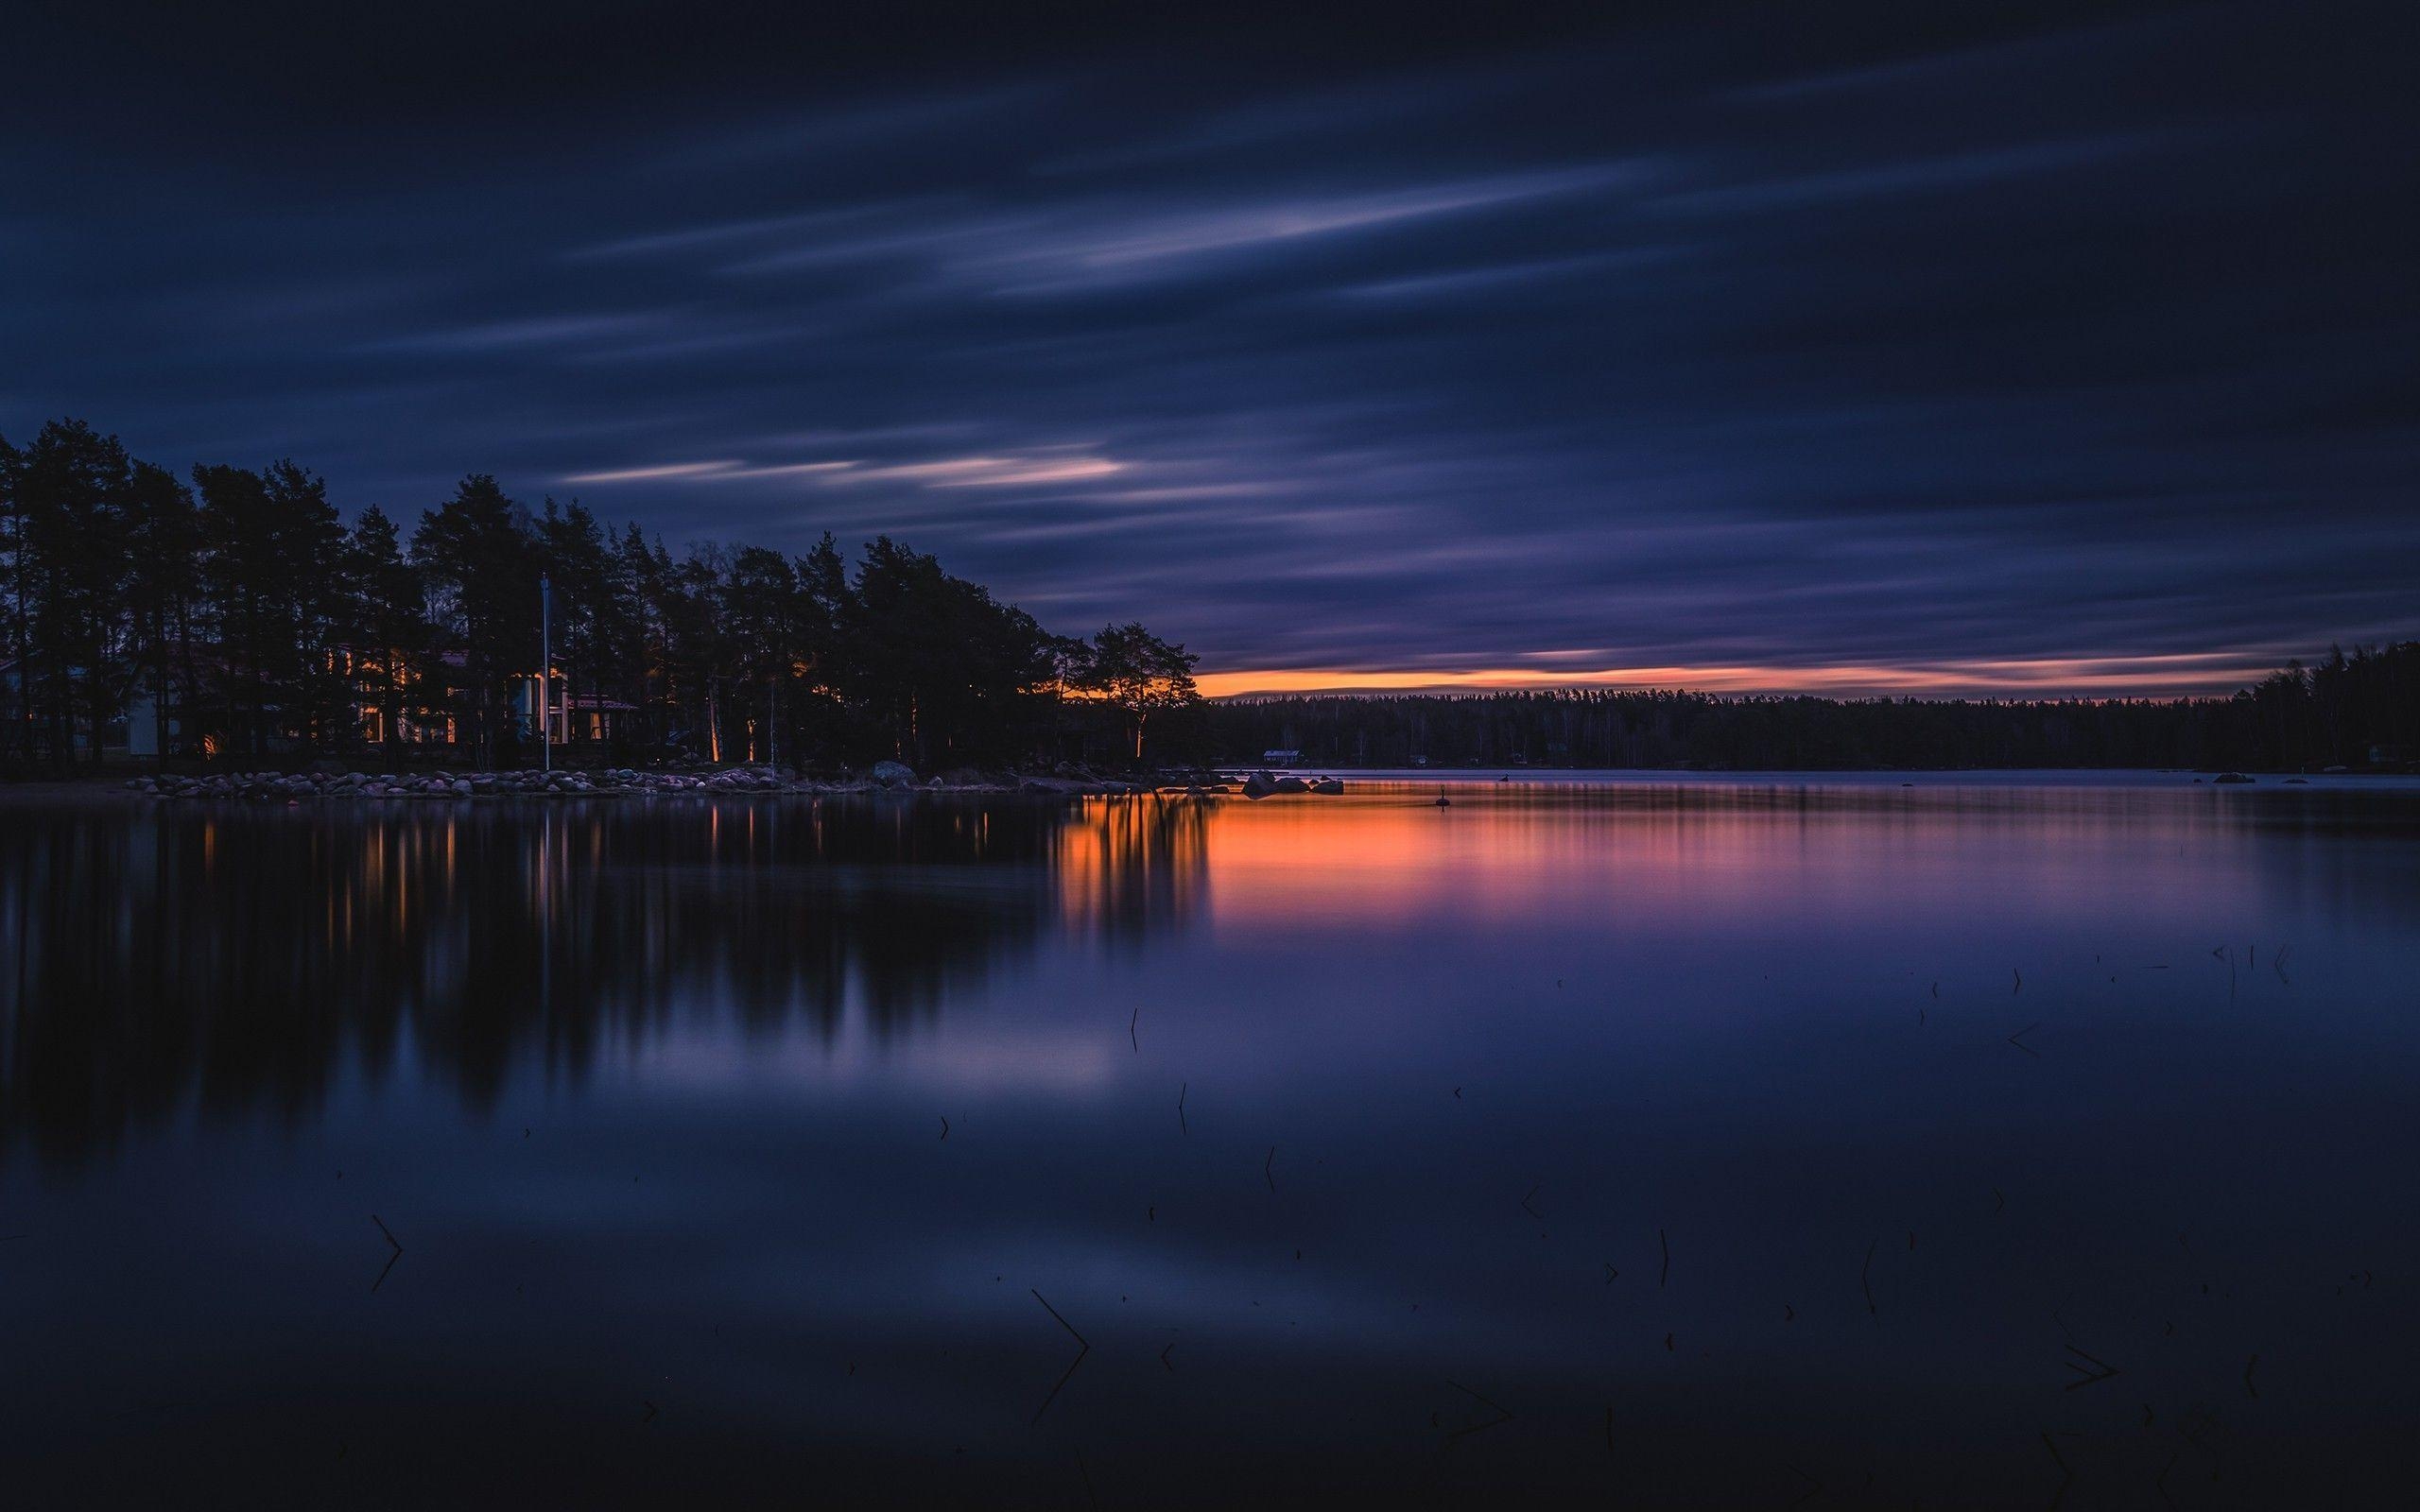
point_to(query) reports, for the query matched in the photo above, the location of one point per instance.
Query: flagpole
(545, 671)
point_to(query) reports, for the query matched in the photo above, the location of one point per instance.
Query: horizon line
(2158, 677)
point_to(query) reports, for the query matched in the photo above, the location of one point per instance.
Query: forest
(2361, 711)
(231, 615)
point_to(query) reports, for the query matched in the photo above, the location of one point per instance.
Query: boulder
(893, 774)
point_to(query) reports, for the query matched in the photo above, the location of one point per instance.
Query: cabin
(568, 717)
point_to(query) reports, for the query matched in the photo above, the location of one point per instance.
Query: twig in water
(1132, 1021)
(2003, 1201)
(2248, 1386)
(1501, 1415)
(650, 1410)
(1071, 1364)
(2101, 1370)
(1666, 1274)
(1865, 1276)
(944, 1126)
(1531, 1211)
(2020, 981)
(1164, 1357)
(2018, 1039)
(397, 1255)
(1182, 1127)
(1265, 1173)
(2066, 1476)
(1089, 1496)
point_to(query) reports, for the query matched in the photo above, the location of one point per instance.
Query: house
(570, 717)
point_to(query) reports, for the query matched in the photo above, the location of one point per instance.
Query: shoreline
(618, 784)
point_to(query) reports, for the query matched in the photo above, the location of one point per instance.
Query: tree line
(2359, 711)
(255, 624)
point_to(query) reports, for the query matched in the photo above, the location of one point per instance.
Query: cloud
(528, 334)
(1007, 472)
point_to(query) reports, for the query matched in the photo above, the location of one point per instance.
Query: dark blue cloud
(1693, 339)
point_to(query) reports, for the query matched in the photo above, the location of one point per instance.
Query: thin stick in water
(1071, 1364)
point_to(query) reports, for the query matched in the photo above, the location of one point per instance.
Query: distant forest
(232, 615)
(2361, 711)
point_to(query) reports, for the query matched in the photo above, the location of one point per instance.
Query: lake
(1990, 1141)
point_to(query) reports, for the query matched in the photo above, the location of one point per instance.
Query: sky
(1857, 349)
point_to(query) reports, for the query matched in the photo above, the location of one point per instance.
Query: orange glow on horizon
(2051, 677)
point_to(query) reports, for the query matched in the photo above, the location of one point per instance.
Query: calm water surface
(1669, 1143)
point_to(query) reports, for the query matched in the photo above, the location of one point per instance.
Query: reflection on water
(234, 956)
(1735, 1139)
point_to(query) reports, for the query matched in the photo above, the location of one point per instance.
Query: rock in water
(893, 774)
(2231, 776)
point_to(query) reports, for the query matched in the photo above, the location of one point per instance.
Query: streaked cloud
(1970, 351)
(1030, 470)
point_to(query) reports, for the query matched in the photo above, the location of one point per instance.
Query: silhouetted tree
(1139, 675)
(74, 563)
(590, 642)
(481, 565)
(164, 590)
(271, 566)
(388, 628)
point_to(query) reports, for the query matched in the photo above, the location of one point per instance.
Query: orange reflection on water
(1679, 857)
(1128, 863)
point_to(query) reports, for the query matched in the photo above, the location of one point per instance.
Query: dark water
(1670, 1145)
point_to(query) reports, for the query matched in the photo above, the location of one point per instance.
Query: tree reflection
(236, 960)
